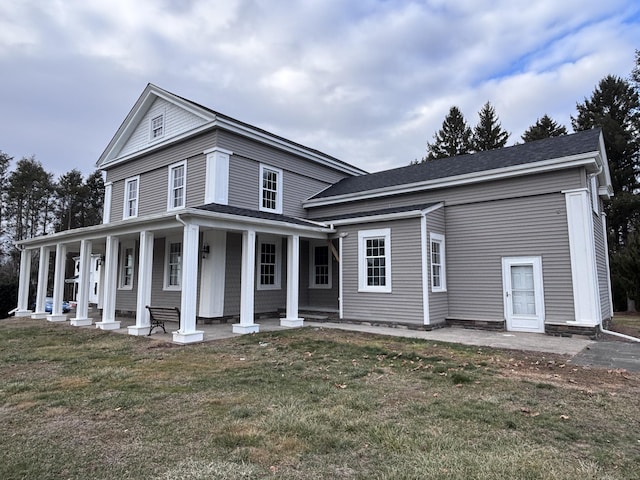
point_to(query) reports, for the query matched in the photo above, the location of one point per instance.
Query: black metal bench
(159, 315)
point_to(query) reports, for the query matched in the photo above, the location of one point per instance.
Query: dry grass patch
(300, 404)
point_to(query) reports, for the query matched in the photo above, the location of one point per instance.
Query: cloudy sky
(368, 81)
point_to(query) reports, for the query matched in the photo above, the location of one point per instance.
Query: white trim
(151, 92)
(217, 176)
(424, 253)
(313, 244)
(217, 149)
(145, 281)
(440, 240)
(279, 192)
(106, 206)
(340, 280)
(293, 285)
(269, 240)
(377, 218)
(124, 246)
(167, 245)
(363, 236)
(125, 208)
(595, 199)
(170, 188)
(584, 159)
(247, 279)
(538, 286)
(187, 332)
(586, 297)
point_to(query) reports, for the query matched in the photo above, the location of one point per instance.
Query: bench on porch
(159, 315)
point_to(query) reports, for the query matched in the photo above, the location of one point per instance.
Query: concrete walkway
(605, 354)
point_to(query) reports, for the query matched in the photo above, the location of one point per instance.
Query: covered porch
(210, 264)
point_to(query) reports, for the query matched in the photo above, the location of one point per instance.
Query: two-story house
(224, 219)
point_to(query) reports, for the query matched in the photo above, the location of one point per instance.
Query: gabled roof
(442, 172)
(210, 119)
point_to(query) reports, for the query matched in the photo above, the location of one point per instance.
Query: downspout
(621, 335)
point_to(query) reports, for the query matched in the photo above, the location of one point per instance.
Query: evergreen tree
(5, 161)
(454, 138)
(614, 106)
(71, 193)
(488, 133)
(544, 127)
(94, 199)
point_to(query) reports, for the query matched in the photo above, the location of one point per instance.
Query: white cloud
(367, 81)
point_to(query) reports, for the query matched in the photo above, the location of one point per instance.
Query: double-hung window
(269, 258)
(156, 126)
(438, 277)
(177, 186)
(131, 191)
(173, 265)
(374, 260)
(320, 271)
(126, 267)
(270, 189)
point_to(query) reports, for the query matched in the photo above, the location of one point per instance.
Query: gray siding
(320, 297)
(484, 191)
(404, 303)
(480, 234)
(438, 301)
(127, 298)
(601, 266)
(159, 296)
(302, 178)
(272, 300)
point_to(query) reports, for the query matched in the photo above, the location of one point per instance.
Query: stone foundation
(493, 325)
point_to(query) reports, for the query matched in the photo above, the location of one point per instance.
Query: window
(268, 272)
(270, 189)
(157, 126)
(374, 260)
(320, 268)
(126, 268)
(438, 279)
(131, 197)
(173, 265)
(177, 185)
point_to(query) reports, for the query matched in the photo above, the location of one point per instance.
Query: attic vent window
(157, 127)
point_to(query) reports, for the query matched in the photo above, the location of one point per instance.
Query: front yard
(304, 404)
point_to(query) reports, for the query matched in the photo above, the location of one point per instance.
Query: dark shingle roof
(245, 212)
(547, 149)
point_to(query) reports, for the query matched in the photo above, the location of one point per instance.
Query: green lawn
(304, 404)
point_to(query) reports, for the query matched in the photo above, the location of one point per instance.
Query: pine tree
(544, 127)
(488, 133)
(454, 138)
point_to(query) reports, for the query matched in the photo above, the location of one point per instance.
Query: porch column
(247, 285)
(43, 283)
(188, 305)
(110, 283)
(58, 284)
(82, 308)
(145, 270)
(23, 286)
(293, 284)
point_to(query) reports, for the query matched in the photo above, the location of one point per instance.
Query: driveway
(610, 354)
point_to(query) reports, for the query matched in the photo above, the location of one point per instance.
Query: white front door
(523, 294)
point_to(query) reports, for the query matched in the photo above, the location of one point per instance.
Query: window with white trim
(374, 260)
(437, 256)
(126, 267)
(269, 261)
(320, 266)
(177, 186)
(270, 189)
(173, 264)
(156, 126)
(131, 191)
